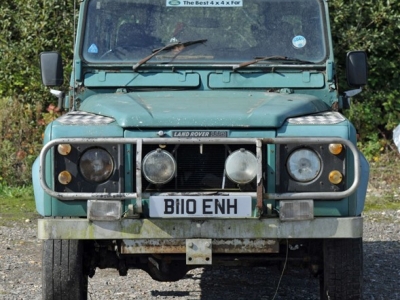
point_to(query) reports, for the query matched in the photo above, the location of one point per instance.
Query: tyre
(62, 270)
(343, 269)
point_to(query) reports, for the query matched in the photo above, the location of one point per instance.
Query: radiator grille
(199, 168)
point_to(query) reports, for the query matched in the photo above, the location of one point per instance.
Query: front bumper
(266, 228)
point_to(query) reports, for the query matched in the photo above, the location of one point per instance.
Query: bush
(20, 140)
(22, 126)
(27, 28)
(373, 26)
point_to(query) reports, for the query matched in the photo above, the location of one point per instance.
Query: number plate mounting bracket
(198, 251)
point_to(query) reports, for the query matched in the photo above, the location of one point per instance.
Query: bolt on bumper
(265, 228)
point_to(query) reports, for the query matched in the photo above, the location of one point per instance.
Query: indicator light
(64, 149)
(335, 149)
(64, 177)
(335, 177)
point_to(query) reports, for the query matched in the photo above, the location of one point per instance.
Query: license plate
(200, 207)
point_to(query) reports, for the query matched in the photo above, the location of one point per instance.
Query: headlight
(241, 166)
(303, 165)
(159, 166)
(96, 165)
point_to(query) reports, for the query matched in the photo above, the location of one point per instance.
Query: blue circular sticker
(299, 41)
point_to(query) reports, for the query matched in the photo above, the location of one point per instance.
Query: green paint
(202, 109)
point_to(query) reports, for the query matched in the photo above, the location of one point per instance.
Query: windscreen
(176, 31)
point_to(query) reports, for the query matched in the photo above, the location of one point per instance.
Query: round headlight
(241, 166)
(159, 166)
(96, 165)
(303, 165)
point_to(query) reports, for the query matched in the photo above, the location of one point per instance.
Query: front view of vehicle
(201, 133)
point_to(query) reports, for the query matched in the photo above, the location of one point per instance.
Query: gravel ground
(20, 269)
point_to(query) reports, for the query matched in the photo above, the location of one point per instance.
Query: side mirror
(356, 68)
(51, 68)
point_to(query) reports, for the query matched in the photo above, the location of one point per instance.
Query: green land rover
(201, 133)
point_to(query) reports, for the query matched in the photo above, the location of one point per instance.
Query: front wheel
(343, 269)
(62, 270)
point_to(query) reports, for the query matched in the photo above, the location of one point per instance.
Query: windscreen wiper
(166, 47)
(271, 58)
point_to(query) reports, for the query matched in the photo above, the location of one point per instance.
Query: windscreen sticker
(93, 49)
(209, 3)
(299, 41)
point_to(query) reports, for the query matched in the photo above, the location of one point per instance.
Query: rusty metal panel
(245, 246)
(228, 246)
(159, 246)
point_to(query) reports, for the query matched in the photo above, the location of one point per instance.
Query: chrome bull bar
(258, 142)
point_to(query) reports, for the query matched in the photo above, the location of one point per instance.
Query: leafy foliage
(373, 26)
(26, 29)
(21, 139)
(21, 127)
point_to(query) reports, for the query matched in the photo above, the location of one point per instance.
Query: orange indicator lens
(335, 148)
(335, 177)
(64, 149)
(64, 177)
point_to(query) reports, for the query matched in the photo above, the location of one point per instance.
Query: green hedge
(27, 28)
(373, 26)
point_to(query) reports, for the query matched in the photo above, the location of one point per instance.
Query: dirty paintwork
(182, 229)
(217, 246)
(202, 108)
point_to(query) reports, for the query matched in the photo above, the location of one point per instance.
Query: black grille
(199, 168)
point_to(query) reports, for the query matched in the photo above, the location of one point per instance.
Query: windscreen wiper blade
(166, 47)
(271, 58)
